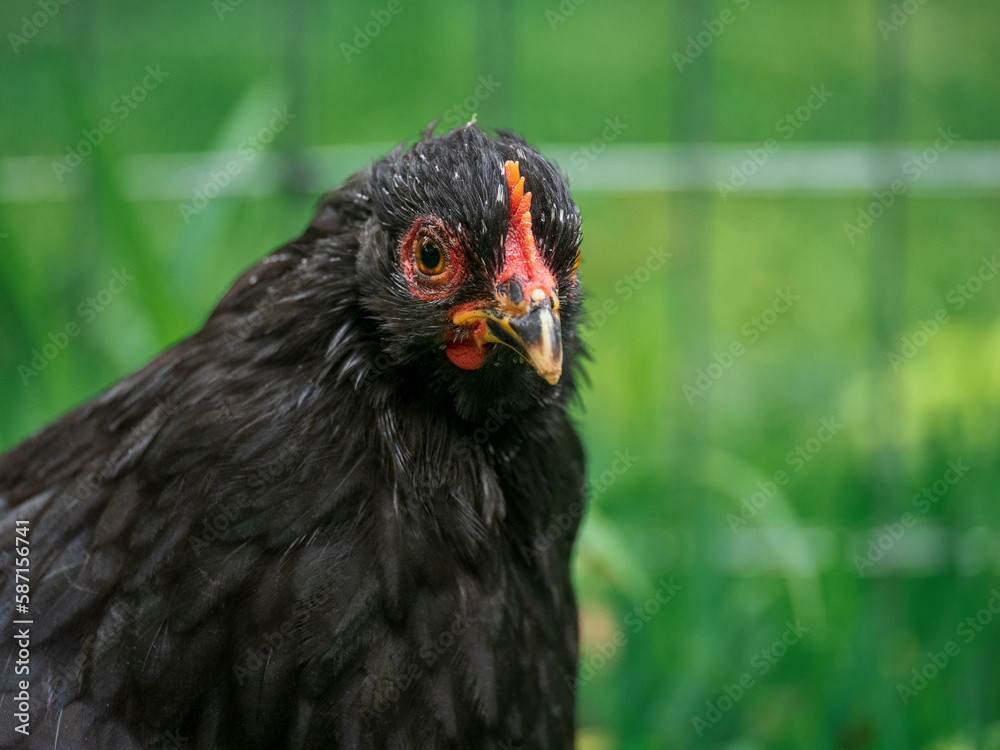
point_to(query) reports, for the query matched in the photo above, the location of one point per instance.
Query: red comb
(521, 258)
(520, 207)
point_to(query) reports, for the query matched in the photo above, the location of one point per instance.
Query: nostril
(512, 290)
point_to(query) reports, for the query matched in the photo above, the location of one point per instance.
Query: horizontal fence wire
(891, 550)
(726, 168)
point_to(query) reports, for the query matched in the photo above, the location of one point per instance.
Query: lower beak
(535, 335)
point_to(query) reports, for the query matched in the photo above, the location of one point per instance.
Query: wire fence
(727, 169)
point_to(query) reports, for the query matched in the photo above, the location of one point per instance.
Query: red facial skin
(440, 285)
(465, 347)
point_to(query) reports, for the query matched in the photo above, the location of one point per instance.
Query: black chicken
(341, 514)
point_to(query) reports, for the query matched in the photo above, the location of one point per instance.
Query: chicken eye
(430, 259)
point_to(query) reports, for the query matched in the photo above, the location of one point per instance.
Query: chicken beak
(535, 334)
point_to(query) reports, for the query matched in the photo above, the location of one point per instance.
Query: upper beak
(531, 328)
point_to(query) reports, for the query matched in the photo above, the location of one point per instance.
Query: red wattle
(465, 354)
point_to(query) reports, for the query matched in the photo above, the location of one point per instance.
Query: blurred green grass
(665, 517)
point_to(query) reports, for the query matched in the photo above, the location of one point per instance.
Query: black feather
(303, 527)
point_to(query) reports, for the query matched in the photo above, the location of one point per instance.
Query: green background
(672, 516)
